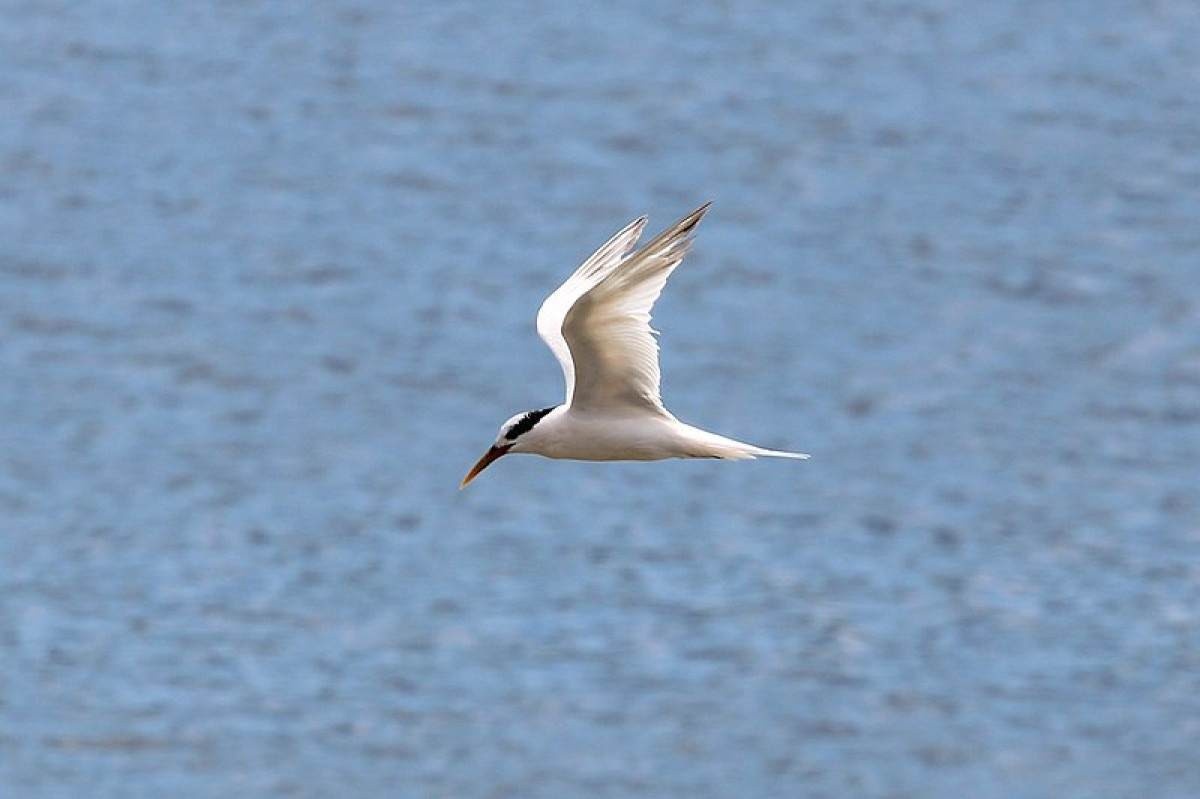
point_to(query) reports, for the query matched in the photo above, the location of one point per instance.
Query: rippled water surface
(267, 283)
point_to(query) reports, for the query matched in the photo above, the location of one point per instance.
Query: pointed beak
(489, 456)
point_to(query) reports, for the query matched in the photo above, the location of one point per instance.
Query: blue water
(267, 284)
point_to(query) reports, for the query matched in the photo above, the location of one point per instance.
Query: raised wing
(598, 322)
(554, 309)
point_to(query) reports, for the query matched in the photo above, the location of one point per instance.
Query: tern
(597, 324)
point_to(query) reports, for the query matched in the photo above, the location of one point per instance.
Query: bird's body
(590, 436)
(597, 324)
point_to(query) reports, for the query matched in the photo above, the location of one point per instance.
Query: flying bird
(597, 324)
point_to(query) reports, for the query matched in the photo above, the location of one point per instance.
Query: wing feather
(601, 316)
(555, 307)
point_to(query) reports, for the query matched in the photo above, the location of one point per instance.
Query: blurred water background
(268, 274)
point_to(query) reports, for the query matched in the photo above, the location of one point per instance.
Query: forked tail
(710, 445)
(759, 452)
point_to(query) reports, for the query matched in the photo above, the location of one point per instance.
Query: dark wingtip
(693, 219)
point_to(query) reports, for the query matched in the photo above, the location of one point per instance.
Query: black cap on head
(526, 423)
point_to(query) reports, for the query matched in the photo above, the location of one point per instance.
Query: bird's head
(513, 437)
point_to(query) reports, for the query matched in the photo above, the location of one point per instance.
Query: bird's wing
(598, 322)
(554, 309)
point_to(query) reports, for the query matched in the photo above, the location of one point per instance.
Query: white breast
(593, 437)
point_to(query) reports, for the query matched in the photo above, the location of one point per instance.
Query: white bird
(598, 325)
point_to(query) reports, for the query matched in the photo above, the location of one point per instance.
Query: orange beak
(492, 454)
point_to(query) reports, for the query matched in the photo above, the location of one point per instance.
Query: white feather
(598, 322)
